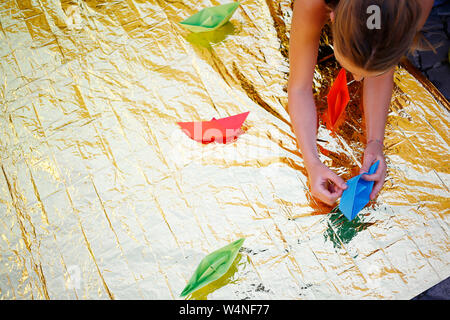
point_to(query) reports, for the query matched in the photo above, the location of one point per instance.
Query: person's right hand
(326, 185)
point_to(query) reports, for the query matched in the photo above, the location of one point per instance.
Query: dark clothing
(332, 3)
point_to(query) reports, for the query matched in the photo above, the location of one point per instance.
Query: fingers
(378, 177)
(338, 181)
(374, 177)
(326, 185)
(380, 174)
(368, 161)
(376, 188)
(326, 194)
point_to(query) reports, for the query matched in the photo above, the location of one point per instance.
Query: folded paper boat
(337, 100)
(222, 130)
(213, 266)
(357, 195)
(211, 18)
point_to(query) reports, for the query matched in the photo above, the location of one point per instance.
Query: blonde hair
(375, 49)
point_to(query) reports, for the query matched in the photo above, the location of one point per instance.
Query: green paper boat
(213, 266)
(209, 19)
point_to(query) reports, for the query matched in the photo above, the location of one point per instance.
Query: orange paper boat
(222, 130)
(337, 99)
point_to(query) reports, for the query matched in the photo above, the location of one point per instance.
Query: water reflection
(340, 230)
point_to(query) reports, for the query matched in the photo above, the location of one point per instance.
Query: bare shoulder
(307, 22)
(309, 14)
(426, 5)
(311, 6)
(426, 9)
(429, 3)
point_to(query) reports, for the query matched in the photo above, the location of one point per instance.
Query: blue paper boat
(357, 195)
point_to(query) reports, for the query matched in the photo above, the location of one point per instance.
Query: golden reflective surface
(103, 196)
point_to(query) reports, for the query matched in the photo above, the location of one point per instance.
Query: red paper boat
(337, 99)
(222, 130)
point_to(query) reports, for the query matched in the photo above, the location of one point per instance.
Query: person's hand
(372, 153)
(325, 184)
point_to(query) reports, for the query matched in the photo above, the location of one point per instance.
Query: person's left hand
(372, 153)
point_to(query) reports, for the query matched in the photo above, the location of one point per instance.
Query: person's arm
(308, 19)
(427, 5)
(376, 100)
(303, 48)
(377, 93)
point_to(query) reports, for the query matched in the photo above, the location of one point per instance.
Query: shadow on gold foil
(207, 39)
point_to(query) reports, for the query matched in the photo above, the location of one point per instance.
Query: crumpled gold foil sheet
(102, 196)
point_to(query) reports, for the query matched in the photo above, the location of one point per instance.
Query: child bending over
(370, 53)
